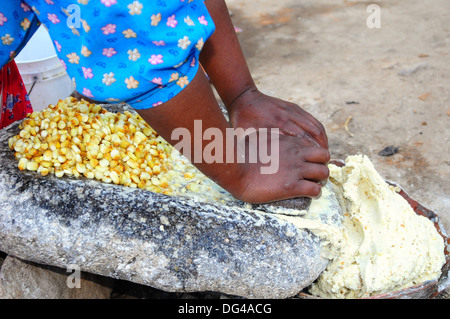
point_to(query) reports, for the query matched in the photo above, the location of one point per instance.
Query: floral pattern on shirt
(142, 52)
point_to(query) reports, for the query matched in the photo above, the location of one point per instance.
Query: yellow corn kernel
(12, 141)
(115, 154)
(123, 178)
(147, 131)
(112, 128)
(75, 172)
(52, 146)
(124, 144)
(61, 125)
(156, 169)
(135, 178)
(78, 158)
(114, 177)
(66, 144)
(24, 134)
(63, 138)
(142, 184)
(48, 155)
(132, 156)
(53, 125)
(94, 162)
(46, 164)
(75, 121)
(64, 166)
(38, 159)
(96, 108)
(164, 182)
(139, 137)
(83, 108)
(154, 152)
(37, 144)
(145, 176)
(155, 181)
(104, 163)
(113, 164)
(98, 175)
(23, 163)
(61, 159)
(70, 155)
(34, 115)
(32, 151)
(44, 171)
(95, 125)
(32, 166)
(55, 154)
(76, 140)
(90, 175)
(106, 180)
(73, 132)
(81, 168)
(132, 164)
(75, 149)
(101, 169)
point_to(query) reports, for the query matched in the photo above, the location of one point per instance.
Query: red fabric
(15, 101)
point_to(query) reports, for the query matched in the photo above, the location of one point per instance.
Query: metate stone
(170, 243)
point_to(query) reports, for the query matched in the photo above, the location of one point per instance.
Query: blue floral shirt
(142, 52)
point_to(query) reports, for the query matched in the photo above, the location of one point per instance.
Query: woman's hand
(257, 110)
(300, 172)
(304, 138)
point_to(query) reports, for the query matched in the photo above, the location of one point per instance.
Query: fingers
(315, 154)
(315, 172)
(312, 128)
(305, 188)
(306, 123)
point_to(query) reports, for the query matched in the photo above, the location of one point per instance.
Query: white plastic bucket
(42, 72)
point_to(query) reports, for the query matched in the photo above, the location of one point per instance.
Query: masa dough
(383, 245)
(374, 240)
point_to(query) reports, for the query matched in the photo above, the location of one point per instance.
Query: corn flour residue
(385, 245)
(324, 219)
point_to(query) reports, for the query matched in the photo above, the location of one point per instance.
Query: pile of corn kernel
(77, 138)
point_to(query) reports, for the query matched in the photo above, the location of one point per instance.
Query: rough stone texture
(25, 280)
(169, 243)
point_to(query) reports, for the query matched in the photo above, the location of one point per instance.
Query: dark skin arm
(303, 143)
(225, 64)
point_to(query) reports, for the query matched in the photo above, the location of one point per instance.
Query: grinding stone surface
(171, 243)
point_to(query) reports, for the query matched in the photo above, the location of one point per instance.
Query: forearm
(222, 57)
(225, 64)
(196, 102)
(302, 163)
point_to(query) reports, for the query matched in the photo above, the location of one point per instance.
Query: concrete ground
(370, 87)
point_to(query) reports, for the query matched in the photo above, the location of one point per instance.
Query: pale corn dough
(383, 245)
(375, 242)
